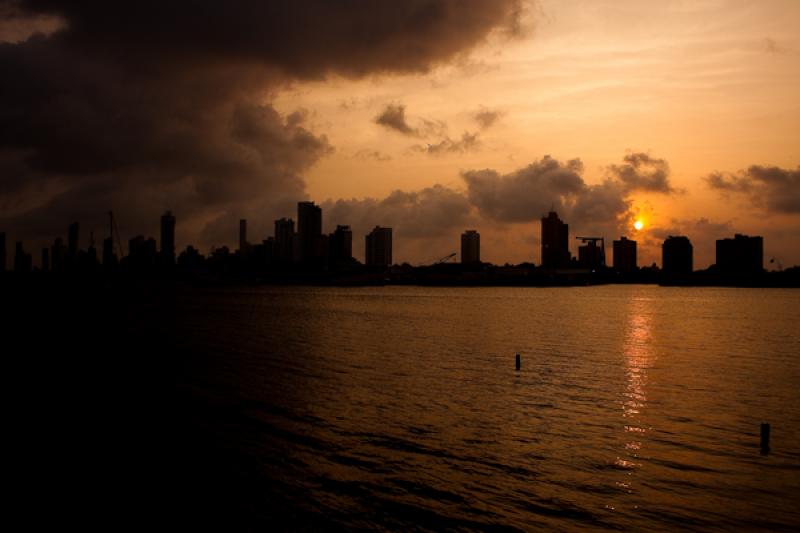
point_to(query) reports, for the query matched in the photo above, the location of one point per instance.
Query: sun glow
(638, 225)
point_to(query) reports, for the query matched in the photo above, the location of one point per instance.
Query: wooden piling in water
(519, 362)
(764, 438)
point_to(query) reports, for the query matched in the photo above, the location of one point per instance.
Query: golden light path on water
(639, 358)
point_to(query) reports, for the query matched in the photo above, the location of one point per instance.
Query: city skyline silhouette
(318, 256)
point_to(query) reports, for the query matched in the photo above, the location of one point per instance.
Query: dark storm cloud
(772, 188)
(304, 38)
(642, 172)
(141, 106)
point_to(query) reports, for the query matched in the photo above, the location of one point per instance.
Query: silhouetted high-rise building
(72, 240)
(168, 238)
(22, 261)
(58, 255)
(740, 255)
(340, 244)
(309, 227)
(243, 236)
(624, 255)
(135, 247)
(45, 260)
(297, 249)
(379, 247)
(677, 255)
(190, 259)
(470, 247)
(555, 242)
(284, 232)
(109, 258)
(2, 252)
(261, 256)
(592, 256)
(142, 253)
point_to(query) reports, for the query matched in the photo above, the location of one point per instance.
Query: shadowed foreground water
(636, 407)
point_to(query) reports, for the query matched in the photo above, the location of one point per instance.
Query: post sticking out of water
(764, 438)
(519, 364)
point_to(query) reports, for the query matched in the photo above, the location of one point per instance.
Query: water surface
(637, 407)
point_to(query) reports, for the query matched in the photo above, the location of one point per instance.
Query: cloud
(432, 218)
(526, 194)
(375, 155)
(425, 213)
(468, 142)
(486, 118)
(642, 172)
(771, 188)
(16, 25)
(142, 106)
(426, 223)
(702, 232)
(394, 117)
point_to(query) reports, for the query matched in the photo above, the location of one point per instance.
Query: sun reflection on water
(638, 359)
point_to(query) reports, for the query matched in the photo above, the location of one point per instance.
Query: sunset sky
(427, 116)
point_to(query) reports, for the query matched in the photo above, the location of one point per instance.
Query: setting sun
(638, 225)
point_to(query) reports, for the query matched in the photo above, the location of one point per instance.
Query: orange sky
(706, 85)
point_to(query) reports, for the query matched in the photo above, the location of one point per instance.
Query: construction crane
(591, 244)
(445, 259)
(439, 261)
(113, 231)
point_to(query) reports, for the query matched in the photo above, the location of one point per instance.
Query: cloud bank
(774, 189)
(144, 106)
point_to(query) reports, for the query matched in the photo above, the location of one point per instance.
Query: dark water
(399, 408)
(637, 407)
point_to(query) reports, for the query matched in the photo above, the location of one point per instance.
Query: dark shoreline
(417, 277)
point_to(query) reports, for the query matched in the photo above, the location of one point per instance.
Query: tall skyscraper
(109, 257)
(58, 255)
(72, 240)
(309, 227)
(168, 238)
(22, 261)
(379, 247)
(284, 232)
(677, 256)
(555, 242)
(470, 247)
(740, 255)
(625, 255)
(243, 236)
(341, 246)
(2, 252)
